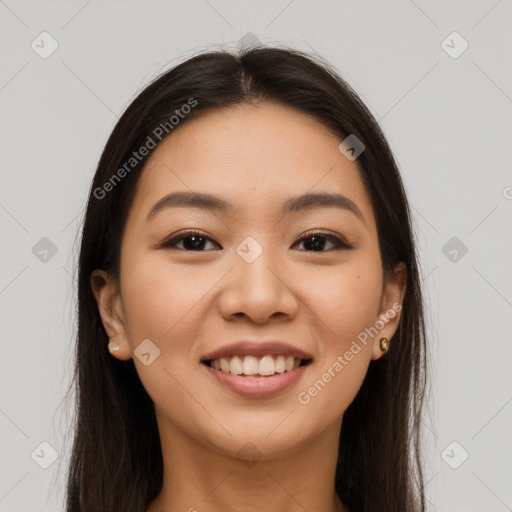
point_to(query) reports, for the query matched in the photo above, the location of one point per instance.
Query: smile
(265, 366)
(253, 384)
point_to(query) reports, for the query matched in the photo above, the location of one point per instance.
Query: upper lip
(257, 349)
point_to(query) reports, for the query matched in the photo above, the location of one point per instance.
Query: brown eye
(190, 240)
(316, 242)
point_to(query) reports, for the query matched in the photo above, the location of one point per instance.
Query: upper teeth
(250, 365)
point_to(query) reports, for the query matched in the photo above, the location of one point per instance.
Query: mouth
(252, 366)
(256, 368)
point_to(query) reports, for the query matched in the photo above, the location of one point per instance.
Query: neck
(197, 478)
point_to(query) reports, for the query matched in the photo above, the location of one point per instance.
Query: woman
(251, 331)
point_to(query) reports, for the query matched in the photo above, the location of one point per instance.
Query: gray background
(447, 120)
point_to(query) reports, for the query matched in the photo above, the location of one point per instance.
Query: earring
(113, 347)
(384, 344)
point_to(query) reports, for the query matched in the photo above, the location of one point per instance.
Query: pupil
(315, 243)
(197, 242)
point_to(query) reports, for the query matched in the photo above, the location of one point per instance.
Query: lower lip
(258, 387)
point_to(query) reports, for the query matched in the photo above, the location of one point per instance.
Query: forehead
(254, 155)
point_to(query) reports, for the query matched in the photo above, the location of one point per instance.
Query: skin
(189, 303)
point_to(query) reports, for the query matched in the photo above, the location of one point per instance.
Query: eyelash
(340, 244)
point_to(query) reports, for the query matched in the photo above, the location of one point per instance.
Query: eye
(192, 241)
(196, 241)
(316, 242)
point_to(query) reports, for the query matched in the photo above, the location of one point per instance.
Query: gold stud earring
(384, 344)
(113, 347)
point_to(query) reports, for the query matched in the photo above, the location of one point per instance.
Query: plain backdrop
(436, 75)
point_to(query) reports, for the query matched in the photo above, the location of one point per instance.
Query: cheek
(160, 298)
(344, 303)
(162, 303)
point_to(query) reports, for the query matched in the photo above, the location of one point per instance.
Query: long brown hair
(116, 461)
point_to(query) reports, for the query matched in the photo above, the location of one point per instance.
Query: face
(250, 280)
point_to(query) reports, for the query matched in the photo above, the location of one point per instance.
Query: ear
(105, 290)
(390, 307)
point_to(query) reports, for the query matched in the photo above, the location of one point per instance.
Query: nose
(259, 291)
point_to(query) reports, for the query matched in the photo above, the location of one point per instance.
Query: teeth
(250, 365)
(224, 364)
(235, 365)
(280, 364)
(267, 366)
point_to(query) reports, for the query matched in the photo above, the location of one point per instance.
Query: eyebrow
(294, 204)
